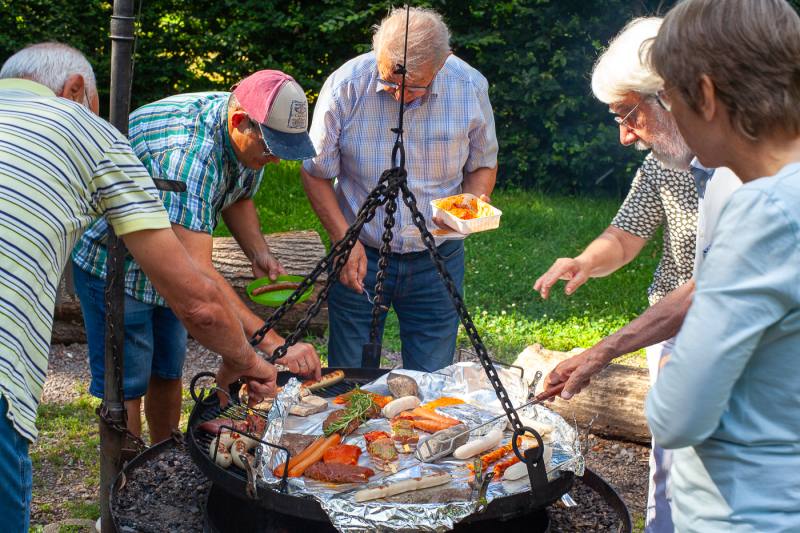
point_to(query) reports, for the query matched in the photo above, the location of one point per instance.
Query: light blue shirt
(447, 132)
(730, 395)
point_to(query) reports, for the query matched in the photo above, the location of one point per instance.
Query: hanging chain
(458, 302)
(337, 257)
(378, 307)
(391, 183)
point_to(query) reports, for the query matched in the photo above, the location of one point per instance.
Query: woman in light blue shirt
(729, 398)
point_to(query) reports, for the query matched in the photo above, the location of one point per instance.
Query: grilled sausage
(327, 380)
(395, 407)
(272, 287)
(474, 447)
(223, 458)
(390, 489)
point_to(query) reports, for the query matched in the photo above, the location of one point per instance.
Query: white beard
(668, 145)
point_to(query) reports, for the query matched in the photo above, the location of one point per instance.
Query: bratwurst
(272, 287)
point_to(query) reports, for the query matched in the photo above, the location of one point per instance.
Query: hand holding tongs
(446, 444)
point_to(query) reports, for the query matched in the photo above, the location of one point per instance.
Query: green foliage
(537, 55)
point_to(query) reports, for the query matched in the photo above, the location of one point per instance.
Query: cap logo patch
(298, 115)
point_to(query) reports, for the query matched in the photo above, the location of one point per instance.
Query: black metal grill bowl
(234, 480)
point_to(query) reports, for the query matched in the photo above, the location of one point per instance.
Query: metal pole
(112, 410)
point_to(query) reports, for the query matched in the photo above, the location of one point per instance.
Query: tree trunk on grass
(298, 252)
(614, 399)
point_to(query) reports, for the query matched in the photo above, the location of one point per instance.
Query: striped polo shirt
(61, 167)
(184, 138)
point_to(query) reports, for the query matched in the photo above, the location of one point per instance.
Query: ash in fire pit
(167, 493)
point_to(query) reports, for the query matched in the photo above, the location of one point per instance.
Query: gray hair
(428, 39)
(749, 50)
(620, 69)
(50, 64)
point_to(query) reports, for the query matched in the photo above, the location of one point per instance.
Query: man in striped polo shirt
(217, 144)
(61, 167)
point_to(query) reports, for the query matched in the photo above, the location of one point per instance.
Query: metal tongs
(438, 446)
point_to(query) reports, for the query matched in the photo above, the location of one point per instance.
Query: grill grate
(234, 412)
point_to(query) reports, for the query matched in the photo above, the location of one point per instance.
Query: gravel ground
(623, 465)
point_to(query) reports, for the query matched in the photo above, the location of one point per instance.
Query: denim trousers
(427, 317)
(155, 340)
(15, 476)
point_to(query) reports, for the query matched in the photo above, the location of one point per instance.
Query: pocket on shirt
(445, 159)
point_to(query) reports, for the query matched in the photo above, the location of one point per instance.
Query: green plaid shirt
(183, 138)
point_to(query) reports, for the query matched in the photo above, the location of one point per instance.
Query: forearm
(610, 251)
(242, 219)
(479, 182)
(658, 323)
(192, 295)
(250, 321)
(323, 200)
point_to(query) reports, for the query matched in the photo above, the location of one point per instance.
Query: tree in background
(536, 54)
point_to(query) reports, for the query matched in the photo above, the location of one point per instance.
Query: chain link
(378, 307)
(472, 332)
(335, 260)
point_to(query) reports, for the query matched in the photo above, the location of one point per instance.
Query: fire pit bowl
(145, 499)
(232, 482)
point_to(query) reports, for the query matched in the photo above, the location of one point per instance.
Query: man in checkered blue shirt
(217, 144)
(451, 147)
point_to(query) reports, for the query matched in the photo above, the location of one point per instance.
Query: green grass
(502, 265)
(66, 452)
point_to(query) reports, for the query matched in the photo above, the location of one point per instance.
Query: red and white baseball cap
(279, 105)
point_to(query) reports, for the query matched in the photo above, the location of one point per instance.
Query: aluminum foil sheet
(268, 457)
(437, 508)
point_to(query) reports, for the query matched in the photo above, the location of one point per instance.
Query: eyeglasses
(410, 88)
(267, 152)
(624, 120)
(663, 100)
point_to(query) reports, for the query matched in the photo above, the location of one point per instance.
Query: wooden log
(298, 252)
(614, 399)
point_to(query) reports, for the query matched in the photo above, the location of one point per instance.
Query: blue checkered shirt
(448, 132)
(183, 138)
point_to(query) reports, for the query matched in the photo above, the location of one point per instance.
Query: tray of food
(466, 213)
(365, 454)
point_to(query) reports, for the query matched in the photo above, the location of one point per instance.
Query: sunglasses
(267, 152)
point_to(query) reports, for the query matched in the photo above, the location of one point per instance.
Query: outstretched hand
(565, 268)
(575, 372)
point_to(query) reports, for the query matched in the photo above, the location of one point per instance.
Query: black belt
(408, 255)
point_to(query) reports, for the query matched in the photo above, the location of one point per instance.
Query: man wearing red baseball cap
(217, 143)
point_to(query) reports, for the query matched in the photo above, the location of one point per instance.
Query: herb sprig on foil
(358, 406)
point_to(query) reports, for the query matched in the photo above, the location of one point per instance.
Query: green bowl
(276, 298)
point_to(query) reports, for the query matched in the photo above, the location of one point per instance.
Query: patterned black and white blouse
(669, 197)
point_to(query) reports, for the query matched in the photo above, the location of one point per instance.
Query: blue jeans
(15, 476)
(428, 319)
(155, 340)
